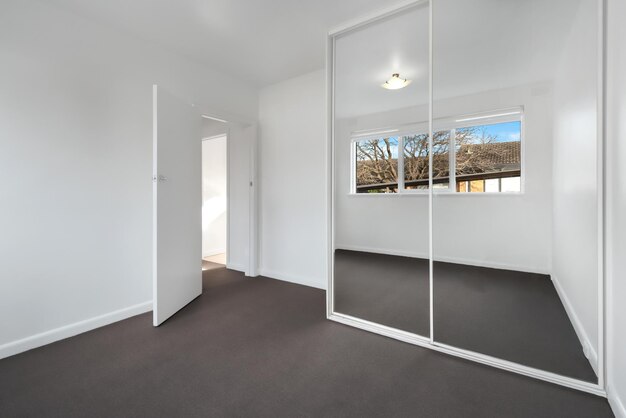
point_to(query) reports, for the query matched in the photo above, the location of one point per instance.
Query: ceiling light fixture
(395, 82)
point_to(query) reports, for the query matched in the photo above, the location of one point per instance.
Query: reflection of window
(377, 165)
(486, 158)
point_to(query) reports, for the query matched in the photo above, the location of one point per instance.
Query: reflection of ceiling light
(395, 82)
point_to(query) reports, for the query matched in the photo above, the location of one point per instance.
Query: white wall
(507, 231)
(75, 168)
(575, 220)
(214, 196)
(292, 122)
(212, 128)
(616, 205)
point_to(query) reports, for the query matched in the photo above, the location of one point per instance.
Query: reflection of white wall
(509, 231)
(214, 196)
(575, 249)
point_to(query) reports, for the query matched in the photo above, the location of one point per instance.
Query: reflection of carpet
(511, 315)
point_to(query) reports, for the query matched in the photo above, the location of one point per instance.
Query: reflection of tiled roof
(496, 154)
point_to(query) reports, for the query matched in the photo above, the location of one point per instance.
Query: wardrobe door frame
(429, 342)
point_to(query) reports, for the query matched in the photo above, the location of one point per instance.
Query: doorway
(214, 197)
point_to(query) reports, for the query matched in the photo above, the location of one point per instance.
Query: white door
(177, 202)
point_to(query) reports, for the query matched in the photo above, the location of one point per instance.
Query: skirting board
(66, 331)
(454, 260)
(588, 348)
(616, 405)
(272, 274)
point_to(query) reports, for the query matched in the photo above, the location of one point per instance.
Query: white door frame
(251, 269)
(428, 342)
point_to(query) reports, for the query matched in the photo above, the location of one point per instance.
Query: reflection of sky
(503, 132)
(393, 141)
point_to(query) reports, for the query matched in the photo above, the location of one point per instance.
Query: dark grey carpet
(511, 315)
(263, 348)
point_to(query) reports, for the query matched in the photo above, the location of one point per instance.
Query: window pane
(487, 154)
(416, 161)
(377, 165)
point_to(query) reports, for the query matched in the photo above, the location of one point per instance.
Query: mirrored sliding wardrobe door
(515, 173)
(380, 155)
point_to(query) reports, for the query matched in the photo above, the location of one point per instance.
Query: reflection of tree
(477, 151)
(375, 162)
(416, 156)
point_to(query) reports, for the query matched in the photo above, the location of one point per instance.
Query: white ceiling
(260, 41)
(479, 45)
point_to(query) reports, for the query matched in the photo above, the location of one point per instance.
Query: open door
(177, 203)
